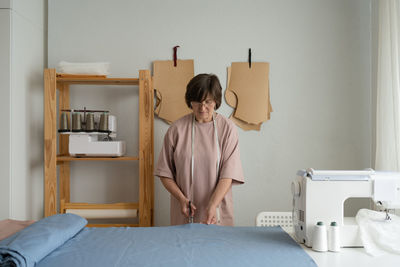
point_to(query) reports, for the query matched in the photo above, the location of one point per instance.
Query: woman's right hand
(173, 188)
(185, 207)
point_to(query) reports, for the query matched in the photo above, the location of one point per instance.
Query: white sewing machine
(97, 144)
(320, 196)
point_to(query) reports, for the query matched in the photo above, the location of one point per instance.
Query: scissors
(190, 212)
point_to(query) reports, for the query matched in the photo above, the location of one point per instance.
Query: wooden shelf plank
(98, 80)
(123, 205)
(61, 158)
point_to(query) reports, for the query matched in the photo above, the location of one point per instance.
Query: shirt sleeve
(166, 166)
(231, 166)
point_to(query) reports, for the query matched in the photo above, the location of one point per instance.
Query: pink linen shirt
(175, 162)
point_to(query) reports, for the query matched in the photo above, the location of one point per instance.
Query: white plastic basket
(271, 218)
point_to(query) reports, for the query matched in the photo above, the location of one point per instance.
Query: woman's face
(203, 111)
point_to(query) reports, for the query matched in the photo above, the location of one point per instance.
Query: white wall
(27, 108)
(5, 83)
(320, 80)
(5, 4)
(374, 70)
(23, 114)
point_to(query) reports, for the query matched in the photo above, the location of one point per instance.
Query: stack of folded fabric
(10, 227)
(91, 68)
(30, 245)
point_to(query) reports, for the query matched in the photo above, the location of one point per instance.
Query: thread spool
(112, 123)
(319, 238)
(334, 237)
(64, 123)
(76, 122)
(103, 125)
(89, 127)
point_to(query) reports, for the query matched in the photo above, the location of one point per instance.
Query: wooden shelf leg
(64, 185)
(63, 139)
(50, 143)
(146, 158)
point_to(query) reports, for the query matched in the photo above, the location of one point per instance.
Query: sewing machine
(320, 196)
(97, 144)
(89, 138)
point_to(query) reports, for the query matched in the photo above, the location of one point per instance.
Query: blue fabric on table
(28, 246)
(183, 245)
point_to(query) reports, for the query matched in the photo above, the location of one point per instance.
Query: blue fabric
(183, 245)
(28, 246)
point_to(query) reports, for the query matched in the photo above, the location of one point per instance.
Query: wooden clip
(249, 58)
(175, 56)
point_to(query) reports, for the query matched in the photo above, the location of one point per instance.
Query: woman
(200, 160)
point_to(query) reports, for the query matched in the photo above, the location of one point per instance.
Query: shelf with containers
(54, 82)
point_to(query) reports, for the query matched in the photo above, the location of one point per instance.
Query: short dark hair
(200, 86)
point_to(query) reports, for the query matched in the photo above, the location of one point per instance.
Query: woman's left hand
(211, 215)
(222, 188)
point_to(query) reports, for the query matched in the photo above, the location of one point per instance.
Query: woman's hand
(220, 191)
(211, 215)
(173, 188)
(185, 207)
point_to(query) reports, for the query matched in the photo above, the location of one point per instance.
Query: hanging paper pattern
(248, 92)
(170, 86)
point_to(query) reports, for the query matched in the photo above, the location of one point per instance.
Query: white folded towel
(92, 68)
(379, 236)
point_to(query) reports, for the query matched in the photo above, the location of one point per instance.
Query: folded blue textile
(30, 245)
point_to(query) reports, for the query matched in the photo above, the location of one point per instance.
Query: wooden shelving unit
(54, 82)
